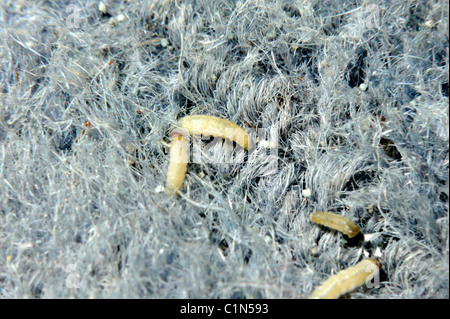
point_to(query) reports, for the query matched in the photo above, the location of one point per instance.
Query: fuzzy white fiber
(346, 101)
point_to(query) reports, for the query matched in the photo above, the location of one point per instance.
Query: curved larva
(216, 126)
(179, 157)
(347, 280)
(340, 223)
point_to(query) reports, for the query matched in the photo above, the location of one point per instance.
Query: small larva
(340, 223)
(216, 126)
(348, 279)
(179, 157)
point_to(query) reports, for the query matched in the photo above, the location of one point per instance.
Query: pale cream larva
(179, 156)
(348, 279)
(198, 125)
(215, 126)
(338, 222)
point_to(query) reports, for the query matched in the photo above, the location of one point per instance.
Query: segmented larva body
(340, 223)
(198, 125)
(347, 280)
(179, 157)
(215, 126)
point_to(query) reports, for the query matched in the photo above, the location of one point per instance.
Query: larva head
(177, 134)
(353, 231)
(315, 217)
(376, 262)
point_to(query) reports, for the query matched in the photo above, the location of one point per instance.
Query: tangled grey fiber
(346, 101)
